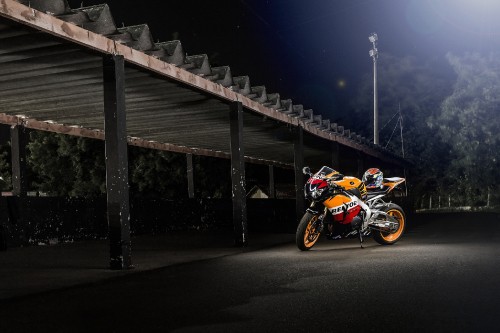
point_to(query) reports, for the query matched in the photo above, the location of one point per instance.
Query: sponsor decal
(344, 207)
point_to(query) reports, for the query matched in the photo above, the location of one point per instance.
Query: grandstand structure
(73, 71)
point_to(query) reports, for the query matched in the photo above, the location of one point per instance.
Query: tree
(469, 122)
(5, 167)
(157, 173)
(65, 165)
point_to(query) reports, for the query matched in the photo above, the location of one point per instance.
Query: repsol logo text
(344, 207)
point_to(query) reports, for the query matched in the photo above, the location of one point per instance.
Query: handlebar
(335, 177)
(333, 185)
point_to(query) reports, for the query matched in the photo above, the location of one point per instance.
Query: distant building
(257, 193)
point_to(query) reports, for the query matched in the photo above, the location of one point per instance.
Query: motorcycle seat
(374, 192)
(387, 185)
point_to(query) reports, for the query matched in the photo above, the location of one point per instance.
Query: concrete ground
(35, 269)
(443, 276)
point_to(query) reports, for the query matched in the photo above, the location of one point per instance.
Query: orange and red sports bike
(343, 207)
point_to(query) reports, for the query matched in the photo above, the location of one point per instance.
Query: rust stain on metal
(191, 78)
(110, 46)
(67, 29)
(178, 73)
(29, 14)
(4, 7)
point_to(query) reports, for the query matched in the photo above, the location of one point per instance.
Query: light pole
(374, 54)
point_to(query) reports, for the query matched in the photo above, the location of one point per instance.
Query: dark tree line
(451, 122)
(62, 165)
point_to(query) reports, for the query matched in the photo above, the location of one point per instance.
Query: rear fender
(393, 182)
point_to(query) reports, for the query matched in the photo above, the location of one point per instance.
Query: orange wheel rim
(398, 216)
(311, 236)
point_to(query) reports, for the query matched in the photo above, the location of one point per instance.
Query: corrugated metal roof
(51, 79)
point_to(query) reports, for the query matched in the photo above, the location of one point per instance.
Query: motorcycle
(348, 209)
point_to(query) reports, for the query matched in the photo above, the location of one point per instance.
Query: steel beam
(298, 154)
(133, 141)
(115, 135)
(238, 174)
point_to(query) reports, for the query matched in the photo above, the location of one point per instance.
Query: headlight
(316, 193)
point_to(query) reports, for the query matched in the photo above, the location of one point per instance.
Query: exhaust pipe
(384, 226)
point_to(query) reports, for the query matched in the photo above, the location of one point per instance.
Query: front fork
(318, 225)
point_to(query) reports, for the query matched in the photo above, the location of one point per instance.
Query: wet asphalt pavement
(443, 276)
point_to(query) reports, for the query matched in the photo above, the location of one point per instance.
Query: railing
(484, 201)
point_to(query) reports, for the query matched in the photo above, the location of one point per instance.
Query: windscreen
(324, 171)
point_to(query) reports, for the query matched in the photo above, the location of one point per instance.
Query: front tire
(308, 231)
(386, 238)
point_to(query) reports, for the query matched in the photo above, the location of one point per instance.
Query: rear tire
(386, 238)
(307, 232)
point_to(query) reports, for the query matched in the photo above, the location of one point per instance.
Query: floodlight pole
(374, 54)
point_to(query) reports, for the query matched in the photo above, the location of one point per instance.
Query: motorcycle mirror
(306, 171)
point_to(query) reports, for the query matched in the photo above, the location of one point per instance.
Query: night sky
(314, 52)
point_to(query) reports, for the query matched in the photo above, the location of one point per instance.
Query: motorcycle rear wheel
(386, 238)
(307, 232)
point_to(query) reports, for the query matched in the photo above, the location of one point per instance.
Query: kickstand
(360, 234)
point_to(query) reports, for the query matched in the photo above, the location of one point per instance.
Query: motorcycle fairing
(343, 208)
(350, 183)
(320, 183)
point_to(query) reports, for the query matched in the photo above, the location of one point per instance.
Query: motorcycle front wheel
(308, 231)
(386, 238)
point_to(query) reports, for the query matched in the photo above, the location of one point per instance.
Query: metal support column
(190, 175)
(238, 174)
(298, 149)
(272, 184)
(18, 148)
(18, 139)
(117, 188)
